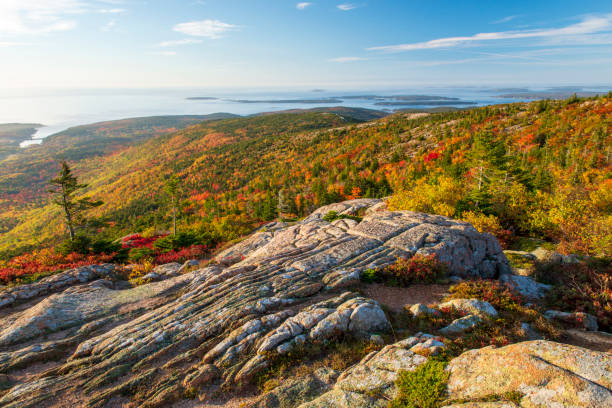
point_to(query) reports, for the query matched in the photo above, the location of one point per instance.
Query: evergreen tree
(65, 188)
(172, 189)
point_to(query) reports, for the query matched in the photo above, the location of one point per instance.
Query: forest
(539, 170)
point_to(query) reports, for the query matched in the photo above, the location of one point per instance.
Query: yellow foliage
(438, 198)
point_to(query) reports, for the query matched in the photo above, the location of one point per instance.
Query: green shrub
(105, 246)
(80, 244)
(370, 276)
(333, 216)
(138, 254)
(424, 387)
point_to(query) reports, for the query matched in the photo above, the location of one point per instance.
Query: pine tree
(66, 187)
(172, 189)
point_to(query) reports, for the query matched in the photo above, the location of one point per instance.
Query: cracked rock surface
(220, 325)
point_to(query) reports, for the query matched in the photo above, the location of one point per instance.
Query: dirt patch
(397, 298)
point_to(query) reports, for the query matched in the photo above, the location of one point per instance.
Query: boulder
(297, 391)
(420, 309)
(584, 320)
(548, 374)
(262, 298)
(371, 383)
(525, 286)
(461, 325)
(471, 306)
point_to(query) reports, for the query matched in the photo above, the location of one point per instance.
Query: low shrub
(424, 387)
(492, 291)
(490, 224)
(407, 271)
(333, 216)
(139, 254)
(582, 287)
(80, 244)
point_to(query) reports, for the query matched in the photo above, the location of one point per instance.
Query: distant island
(548, 94)
(399, 97)
(202, 98)
(324, 100)
(425, 103)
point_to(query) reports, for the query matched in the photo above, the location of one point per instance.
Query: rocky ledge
(105, 344)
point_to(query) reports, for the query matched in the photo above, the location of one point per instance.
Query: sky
(260, 44)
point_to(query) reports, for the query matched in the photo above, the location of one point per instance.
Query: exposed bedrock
(278, 289)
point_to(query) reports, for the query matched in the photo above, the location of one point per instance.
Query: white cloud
(303, 5)
(179, 42)
(504, 20)
(589, 25)
(27, 17)
(347, 59)
(347, 6)
(212, 29)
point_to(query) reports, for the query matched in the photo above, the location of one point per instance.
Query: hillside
(508, 168)
(12, 134)
(287, 318)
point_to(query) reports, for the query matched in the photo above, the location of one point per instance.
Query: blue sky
(293, 44)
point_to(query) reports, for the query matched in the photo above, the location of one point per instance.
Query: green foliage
(66, 187)
(333, 216)
(370, 276)
(140, 254)
(181, 240)
(81, 244)
(424, 387)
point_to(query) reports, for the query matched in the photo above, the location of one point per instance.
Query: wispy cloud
(212, 29)
(505, 19)
(347, 59)
(110, 25)
(179, 42)
(589, 25)
(303, 5)
(347, 6)
(28, 17)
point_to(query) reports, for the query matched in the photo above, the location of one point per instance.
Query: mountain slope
(517, 163)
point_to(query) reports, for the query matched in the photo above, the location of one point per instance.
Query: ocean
(59, 109)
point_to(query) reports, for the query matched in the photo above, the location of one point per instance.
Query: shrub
(333, 216)
(583, 287)
(105, 246)
(182, 255)
(174, 242)
(138, 254)
(490, 224)
(424, 387)
(80, 244)
(418, 269)
(494, 292)
(370, 276)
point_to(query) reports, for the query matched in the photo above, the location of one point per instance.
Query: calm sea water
(58, 110)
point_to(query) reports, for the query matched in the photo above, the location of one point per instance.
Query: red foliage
(432, 156)
(138, 241)
(45, 262)
(182, 255)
